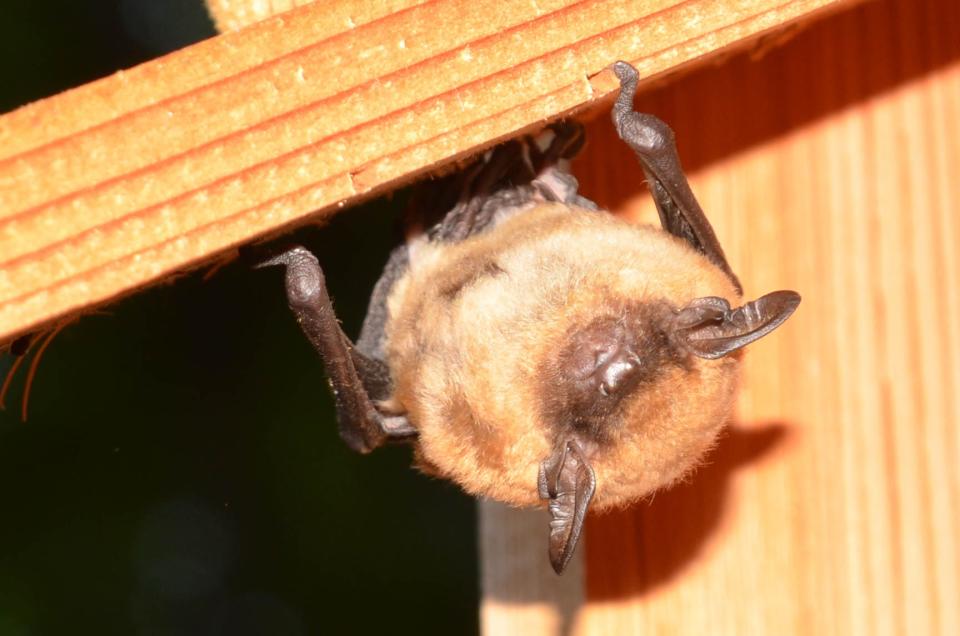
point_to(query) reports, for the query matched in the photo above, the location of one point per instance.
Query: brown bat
(532, 347)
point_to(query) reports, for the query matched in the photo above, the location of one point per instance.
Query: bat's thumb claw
(628, 88)
(624, 72)
(288, 256)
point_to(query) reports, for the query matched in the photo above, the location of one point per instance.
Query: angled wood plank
(153, 170)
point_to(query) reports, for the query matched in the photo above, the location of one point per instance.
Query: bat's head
(641, 387)
(636, 396)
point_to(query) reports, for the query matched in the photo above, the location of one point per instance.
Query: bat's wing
(653, 142)
(372, 339)
(502, 181)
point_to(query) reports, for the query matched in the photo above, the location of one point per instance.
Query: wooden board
(832, 506)
(150, 171)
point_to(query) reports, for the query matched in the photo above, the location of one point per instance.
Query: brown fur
(475, 325)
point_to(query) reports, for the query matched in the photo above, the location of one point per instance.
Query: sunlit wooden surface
(832, 166)
(143, 174)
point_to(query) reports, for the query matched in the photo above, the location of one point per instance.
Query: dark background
(180, 470)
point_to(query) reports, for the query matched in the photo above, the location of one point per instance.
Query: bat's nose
(598, 368)
(604, 359)
(617, 371)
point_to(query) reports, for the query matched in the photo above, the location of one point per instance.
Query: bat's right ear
(568, 482)
(710, 328)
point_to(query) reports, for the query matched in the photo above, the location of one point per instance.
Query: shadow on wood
(829, 166)
(669, 530)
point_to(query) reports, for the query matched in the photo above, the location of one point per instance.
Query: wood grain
(832, 506)
(145, 173)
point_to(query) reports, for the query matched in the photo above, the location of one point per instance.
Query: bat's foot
(647, 135)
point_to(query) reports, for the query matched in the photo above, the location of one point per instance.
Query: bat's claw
(628, 77)
(288, 256)
(625, 72)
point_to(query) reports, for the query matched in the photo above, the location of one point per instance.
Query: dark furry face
(602, 364)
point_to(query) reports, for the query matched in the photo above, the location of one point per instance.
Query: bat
(533, 348)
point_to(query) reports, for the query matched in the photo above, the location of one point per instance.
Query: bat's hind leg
(354, 378)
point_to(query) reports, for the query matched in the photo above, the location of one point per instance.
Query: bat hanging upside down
(532, 347)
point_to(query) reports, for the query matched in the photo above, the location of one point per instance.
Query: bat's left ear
(568, 482)
(710, 328)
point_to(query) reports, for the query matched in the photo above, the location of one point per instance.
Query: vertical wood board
(830, 165)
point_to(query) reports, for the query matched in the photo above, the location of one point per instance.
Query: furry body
(475, 329)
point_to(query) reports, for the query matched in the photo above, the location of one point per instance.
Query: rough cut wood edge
(150, 171)
(231, 15)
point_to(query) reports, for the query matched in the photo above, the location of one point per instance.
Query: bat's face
(642, 408)
(558, 325)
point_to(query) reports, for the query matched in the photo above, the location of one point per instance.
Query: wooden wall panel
(832, 506)
(830, 165)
